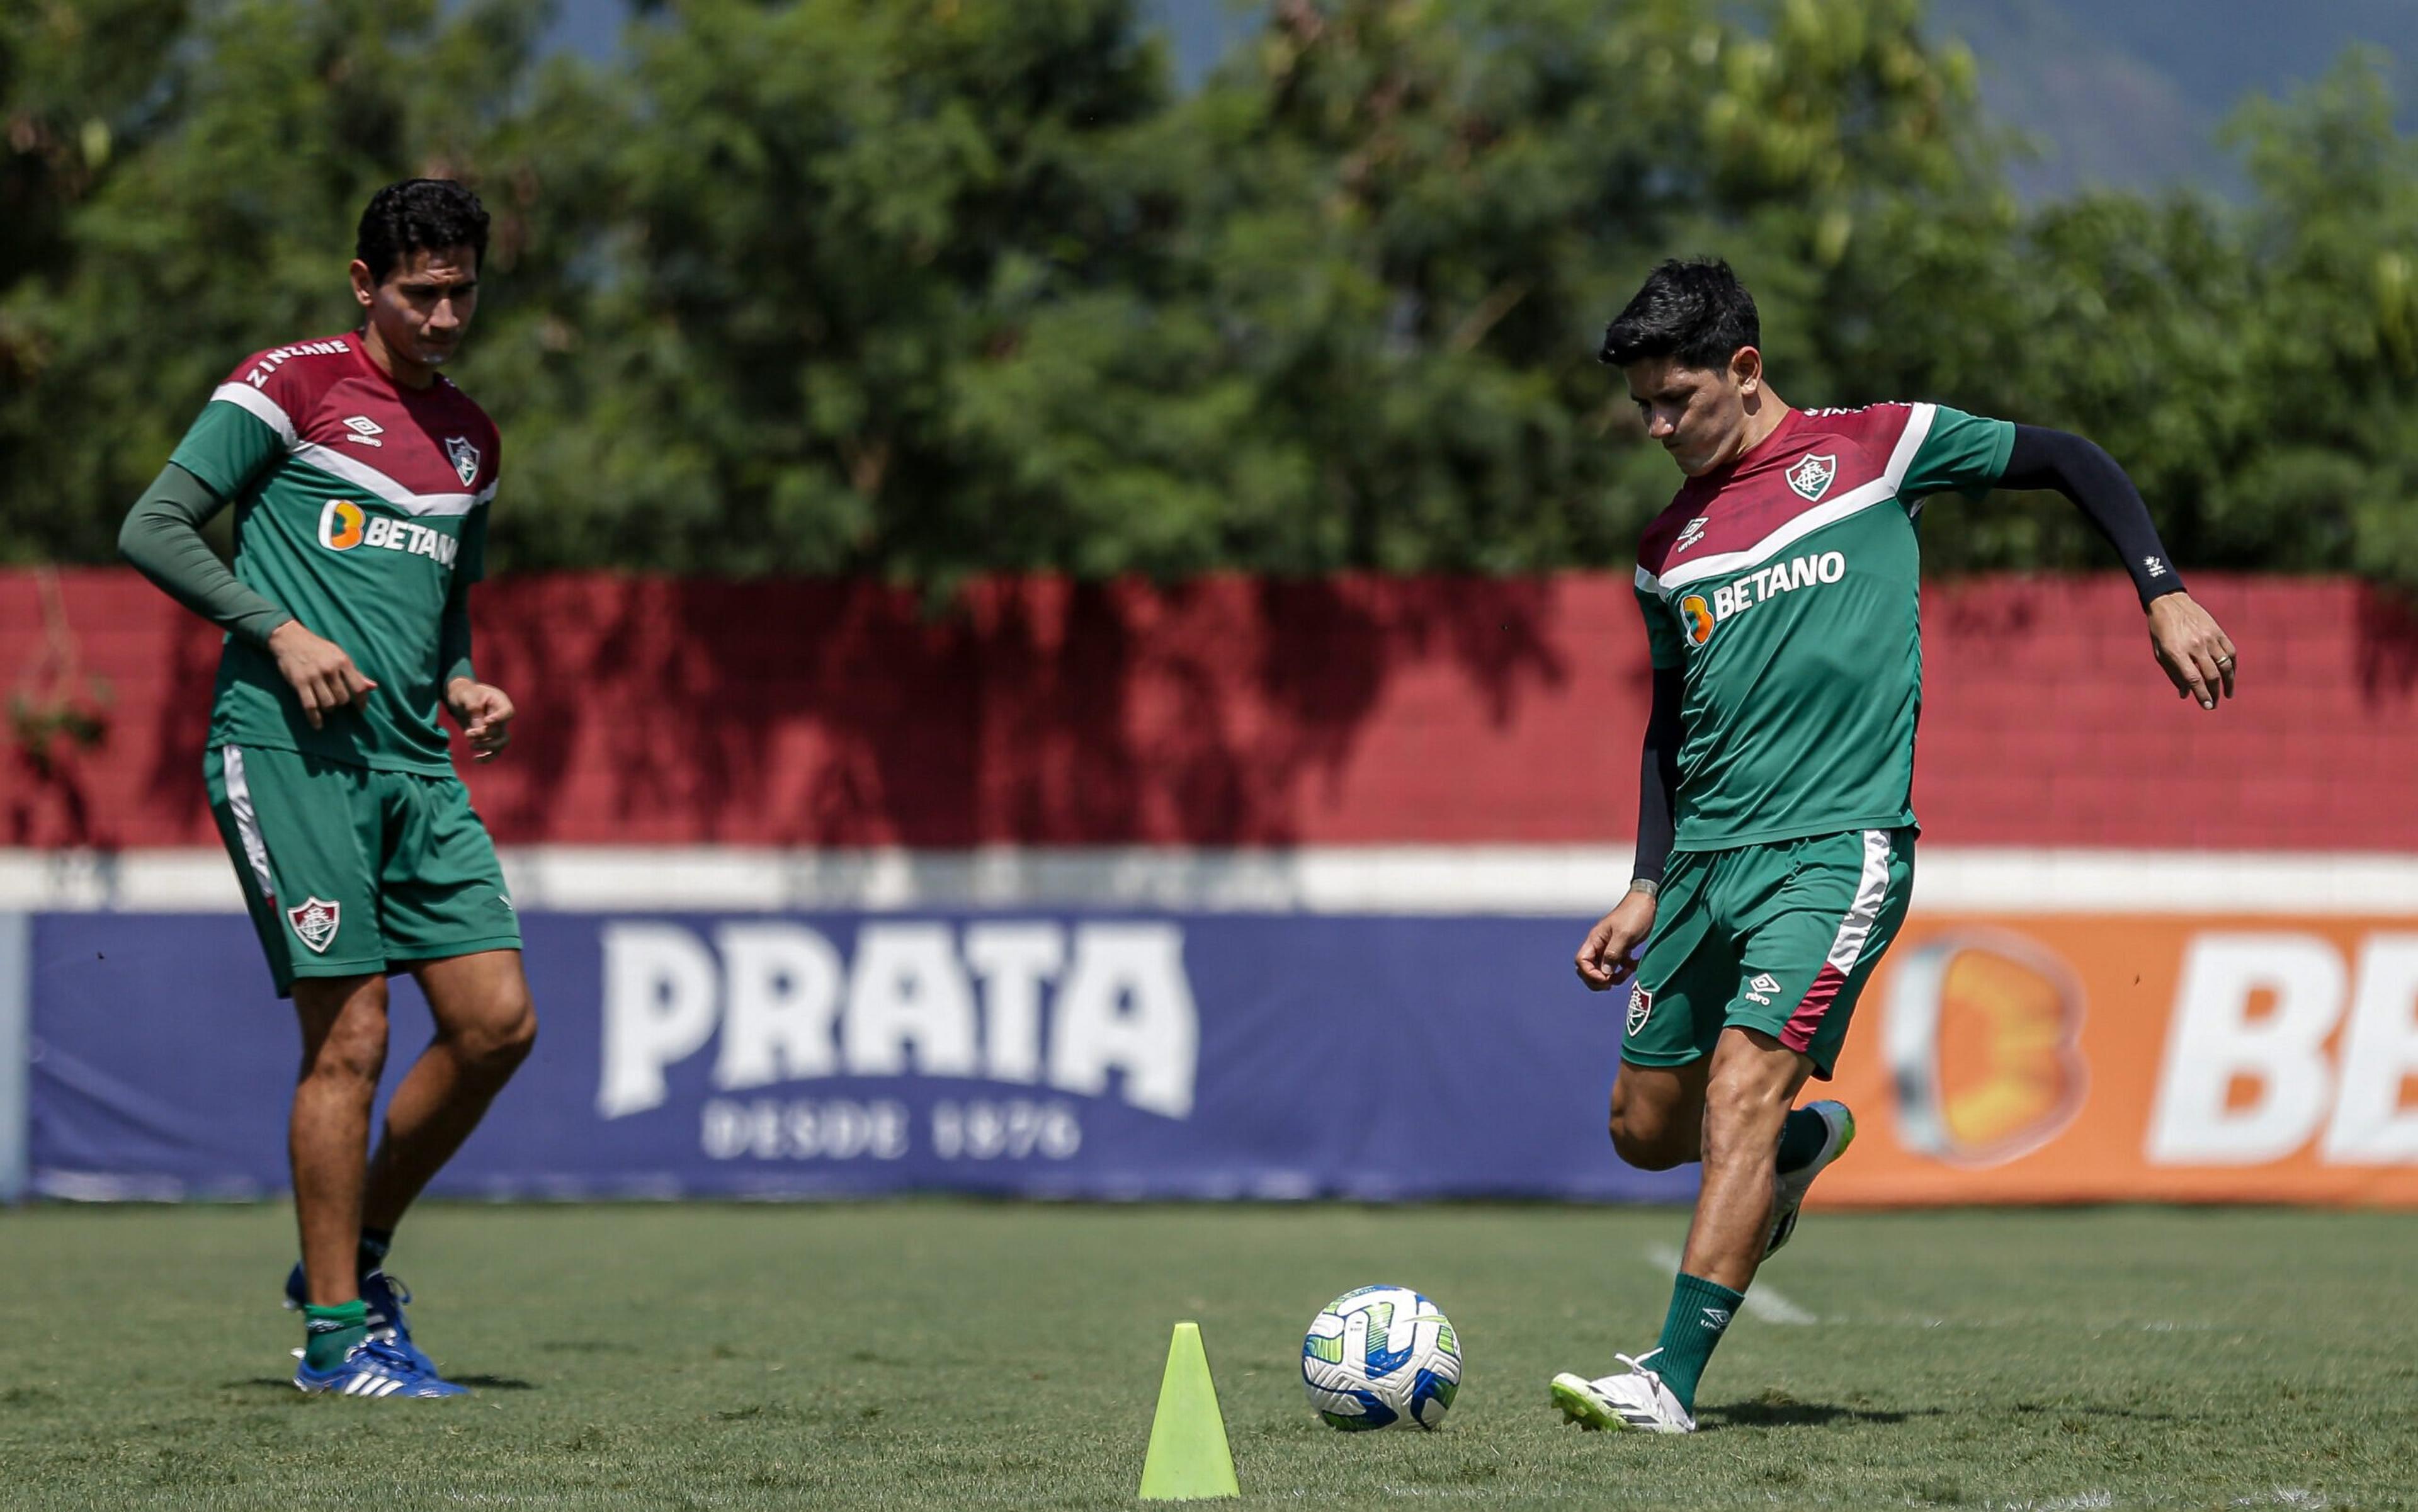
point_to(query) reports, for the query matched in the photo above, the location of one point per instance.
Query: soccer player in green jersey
(1775, 827)
(360, 478)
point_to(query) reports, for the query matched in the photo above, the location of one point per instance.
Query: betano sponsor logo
(2283, 1048)
(342, 526)
(1091, 1009)
(2277, 1039)
(1696, 618)
(1699, 614)
(1981, 1032)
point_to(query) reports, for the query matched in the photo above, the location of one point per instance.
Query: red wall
(1240, 712)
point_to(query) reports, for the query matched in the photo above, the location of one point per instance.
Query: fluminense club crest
(1812, 475)
(1641, 1007)
(316, 920)
(466, 458)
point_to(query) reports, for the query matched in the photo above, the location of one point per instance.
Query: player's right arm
(1604, 960)
(228, 451)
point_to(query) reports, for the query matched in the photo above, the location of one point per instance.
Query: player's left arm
(2194, 651)
(484, 710)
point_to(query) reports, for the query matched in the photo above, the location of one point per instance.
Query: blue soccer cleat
(375, 1367)
(383, 1296)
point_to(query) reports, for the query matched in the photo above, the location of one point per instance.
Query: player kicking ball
(360, 481)
(1775, 842)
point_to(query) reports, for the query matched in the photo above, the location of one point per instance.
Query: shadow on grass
(1790, 1413)
(474, 1383)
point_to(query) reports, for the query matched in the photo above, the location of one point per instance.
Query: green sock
(1700, 1313)
(1800, 1139)
(333, 1332)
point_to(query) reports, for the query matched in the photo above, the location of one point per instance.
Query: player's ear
(1746, 369)
(364, 286)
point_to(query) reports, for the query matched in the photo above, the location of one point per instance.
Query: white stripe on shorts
(1872, 886)
(246, 822)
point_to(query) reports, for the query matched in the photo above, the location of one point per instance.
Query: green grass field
(945, 1354)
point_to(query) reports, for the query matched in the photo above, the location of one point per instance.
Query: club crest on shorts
(315, 921)
(465, 459)
(1641, 1007)
(1812, 475)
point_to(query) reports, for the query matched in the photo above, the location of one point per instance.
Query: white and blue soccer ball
(1381, 1355)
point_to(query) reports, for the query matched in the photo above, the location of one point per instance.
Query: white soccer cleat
(1636, 1400)
(1788, 1191)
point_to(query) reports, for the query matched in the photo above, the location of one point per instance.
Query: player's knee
(493, 1045)
(1644, 1142)
(349, 1056)
(1740, 1122)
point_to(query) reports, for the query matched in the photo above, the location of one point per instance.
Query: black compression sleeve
(162, 538)
(453, 637)
(2083, 472)
(1658, 776)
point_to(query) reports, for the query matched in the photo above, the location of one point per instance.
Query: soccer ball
(1378, 1356)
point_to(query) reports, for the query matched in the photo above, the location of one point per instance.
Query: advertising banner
(2007, 1057)
(1089, 1055)
(2046, 1058)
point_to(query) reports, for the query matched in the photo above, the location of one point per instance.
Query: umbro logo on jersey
(316, 920)
(1762, 987)
(1693, 533)
(465, 459)
(1812, 476)
(1641, 1007)
(364, 430)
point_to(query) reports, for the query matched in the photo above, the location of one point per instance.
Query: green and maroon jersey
(1786, 585)
(359, 506)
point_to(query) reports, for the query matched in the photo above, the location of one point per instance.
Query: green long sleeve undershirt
(163, 538)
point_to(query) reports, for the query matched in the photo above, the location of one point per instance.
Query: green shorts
(352, 872)
(1779, 938)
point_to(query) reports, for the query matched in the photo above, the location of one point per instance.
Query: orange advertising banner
(2064, 1059)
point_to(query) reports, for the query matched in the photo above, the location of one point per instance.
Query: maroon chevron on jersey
(1818, 467)
(325, 398)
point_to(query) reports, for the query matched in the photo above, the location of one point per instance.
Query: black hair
(419, 214)
(1696, 311)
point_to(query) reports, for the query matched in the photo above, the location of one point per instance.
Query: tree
(925, 288)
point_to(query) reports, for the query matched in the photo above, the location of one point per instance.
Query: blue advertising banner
(1068, 1055)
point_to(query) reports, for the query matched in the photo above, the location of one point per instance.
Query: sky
(2129, 94)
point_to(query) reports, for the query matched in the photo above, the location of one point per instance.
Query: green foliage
(923, 288)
